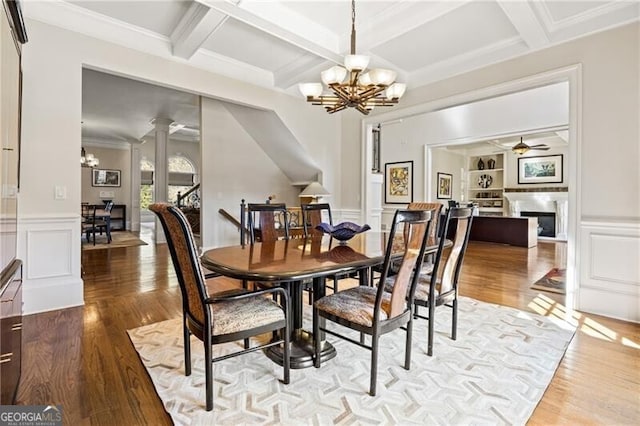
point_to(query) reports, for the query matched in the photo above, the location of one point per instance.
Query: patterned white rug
(495, 373)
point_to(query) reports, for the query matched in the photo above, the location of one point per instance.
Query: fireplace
(546, 223)
(548, 204)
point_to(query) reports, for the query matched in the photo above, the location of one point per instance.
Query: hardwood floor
(82, 358)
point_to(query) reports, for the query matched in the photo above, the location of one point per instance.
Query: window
(181, 176)
(146, 183)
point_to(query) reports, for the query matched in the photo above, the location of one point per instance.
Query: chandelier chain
(353, 27)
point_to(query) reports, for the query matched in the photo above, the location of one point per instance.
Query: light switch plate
(60, 192)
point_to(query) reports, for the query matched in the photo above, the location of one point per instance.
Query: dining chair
(372, 310)
(222, 317)
(103, 223)
(263, 224)
(88, 213)
(312, 215)
(440, 287)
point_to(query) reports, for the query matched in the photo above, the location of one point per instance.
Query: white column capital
(162, 124)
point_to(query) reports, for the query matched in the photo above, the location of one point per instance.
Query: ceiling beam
(525, 22)
(307, 69)
(298, 37)
(195, 27)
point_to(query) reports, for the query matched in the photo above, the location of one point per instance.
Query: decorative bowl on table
(344, 231)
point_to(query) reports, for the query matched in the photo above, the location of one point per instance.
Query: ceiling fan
(522, 147)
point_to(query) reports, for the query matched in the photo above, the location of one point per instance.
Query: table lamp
(313, 191)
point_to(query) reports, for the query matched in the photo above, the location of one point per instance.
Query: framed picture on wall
(104, 177)
(445, 183)
(542, 169)
(398, 182)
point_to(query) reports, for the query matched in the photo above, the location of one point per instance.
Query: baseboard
(52, 295)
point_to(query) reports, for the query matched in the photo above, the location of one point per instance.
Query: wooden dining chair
(89, 222)
(263, 224)
(312, 215)
(222, 317)
(440, 287)
(371, 310)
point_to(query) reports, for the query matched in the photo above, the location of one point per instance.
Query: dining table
(294, 263)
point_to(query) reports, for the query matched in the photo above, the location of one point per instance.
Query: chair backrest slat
(415, 235)
(312, 217)
(451, 268)
(266, 221)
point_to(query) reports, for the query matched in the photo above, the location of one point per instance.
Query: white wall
(608, 137)
(112, 159)
(511, 168)
(446, 162)
(235, 168)
(51, 140)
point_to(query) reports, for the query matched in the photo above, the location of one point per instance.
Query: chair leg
(431, 325)
(316, 337)
(286, 364)
(374, 364)
(187, 350)
(246, 343)
(407, 348)
(454, 320)
(208, 372)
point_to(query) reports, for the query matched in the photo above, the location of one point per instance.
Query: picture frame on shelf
(540, 169)
(445, 185)
(105, 177)
(398, 182)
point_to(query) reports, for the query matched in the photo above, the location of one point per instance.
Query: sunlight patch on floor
(548, 307)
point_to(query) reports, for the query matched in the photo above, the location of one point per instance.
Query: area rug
(118, 239)
(553, 281)
(494, 373)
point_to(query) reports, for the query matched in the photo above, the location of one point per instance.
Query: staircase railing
(181, 197)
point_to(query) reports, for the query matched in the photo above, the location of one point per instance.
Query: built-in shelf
(490, 199)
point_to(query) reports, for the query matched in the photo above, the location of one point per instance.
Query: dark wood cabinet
(10, 332)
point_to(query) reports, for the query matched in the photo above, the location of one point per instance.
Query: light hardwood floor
(82, 358)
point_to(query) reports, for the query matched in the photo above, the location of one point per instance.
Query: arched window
(146, 183)
(182, 176)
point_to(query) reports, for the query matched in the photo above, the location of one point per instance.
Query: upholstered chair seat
(356, 305)
(232, 316)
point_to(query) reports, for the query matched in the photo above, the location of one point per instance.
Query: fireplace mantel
(541, 199)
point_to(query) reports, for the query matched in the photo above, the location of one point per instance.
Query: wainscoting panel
(610, 272)
(50, 248)
(346, 215)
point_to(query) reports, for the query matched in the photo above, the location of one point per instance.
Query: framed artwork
(542, 169)
(398, 182)
(104, 177)
(445, 183)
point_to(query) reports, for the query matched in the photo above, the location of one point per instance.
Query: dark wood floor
(82, 358)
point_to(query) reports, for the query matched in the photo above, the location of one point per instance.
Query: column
(562, 217)
(134, 211)
(160, 174)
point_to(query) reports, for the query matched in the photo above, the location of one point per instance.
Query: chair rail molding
(50, 246)
(610, 280)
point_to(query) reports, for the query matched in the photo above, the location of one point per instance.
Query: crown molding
(106, 143)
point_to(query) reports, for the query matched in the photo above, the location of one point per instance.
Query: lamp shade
(382, 77)
(396, 90)
(356, 62)
(314, 189)
(310, 89)
(334, 75)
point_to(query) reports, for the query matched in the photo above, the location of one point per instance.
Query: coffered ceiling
(278, 44)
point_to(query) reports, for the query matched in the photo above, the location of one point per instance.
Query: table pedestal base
(301, 351)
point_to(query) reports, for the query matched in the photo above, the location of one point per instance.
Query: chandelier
(361, 90)
(88, 160)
